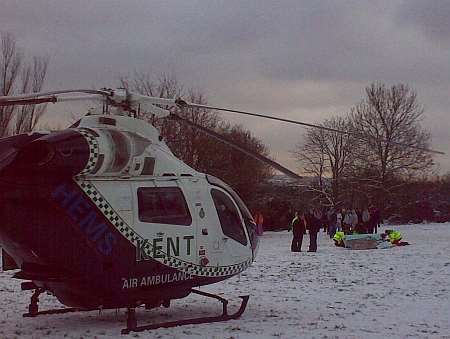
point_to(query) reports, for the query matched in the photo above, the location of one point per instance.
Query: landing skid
(58, 311)
(132, 322)
(33, 311)
(33, 307)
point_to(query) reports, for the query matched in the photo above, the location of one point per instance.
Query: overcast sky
(304, 60)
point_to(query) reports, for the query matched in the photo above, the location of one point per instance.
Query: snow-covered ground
(335, 293)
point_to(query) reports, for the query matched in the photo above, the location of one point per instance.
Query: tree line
(385, 151)
(20, 74)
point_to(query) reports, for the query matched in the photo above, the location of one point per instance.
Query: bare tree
(326, 155)
(242, 172)
(10, 62)
(33, 77)
(390, 119)
(185, 141)
(192, 144)
(19, 77)
(310, 155)
(197, 149)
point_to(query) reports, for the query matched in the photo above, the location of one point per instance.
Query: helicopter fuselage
(104, 215)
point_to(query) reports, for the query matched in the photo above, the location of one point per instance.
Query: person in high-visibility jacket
(339, 239)
(395, 238)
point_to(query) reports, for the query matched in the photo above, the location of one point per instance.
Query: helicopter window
(149, 166)
(121, 151)
(107, 121)
(248, 219)
(228, 216)
(139, 143)
(163, 205)
(217, 182)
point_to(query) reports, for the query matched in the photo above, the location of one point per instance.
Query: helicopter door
(234, 237)
(208, 235)
(163, 217)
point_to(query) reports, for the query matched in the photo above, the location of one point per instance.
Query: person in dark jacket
(332, 219)
(375, 218)
(324, 222)
(313, 225)
(298, 226)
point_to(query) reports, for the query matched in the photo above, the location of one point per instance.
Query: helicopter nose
(51, 156)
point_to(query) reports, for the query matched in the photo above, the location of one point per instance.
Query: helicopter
(110, 218)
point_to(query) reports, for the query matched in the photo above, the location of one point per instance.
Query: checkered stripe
(162, 257)
(93, 150)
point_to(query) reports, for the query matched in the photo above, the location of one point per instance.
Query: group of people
(311, 221)
(391, 237)
(352, 221)
(348, 221)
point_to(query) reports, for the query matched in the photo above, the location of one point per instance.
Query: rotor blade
(53, 99)
(53, 93)
(182, 103)
(234, 145)
(31, 101)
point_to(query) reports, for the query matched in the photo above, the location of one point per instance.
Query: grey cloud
(430, 17)
(297, 59)
(286, 40)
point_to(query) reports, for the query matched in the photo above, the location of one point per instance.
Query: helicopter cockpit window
(228, 216)
(248, 219)
(163, 205)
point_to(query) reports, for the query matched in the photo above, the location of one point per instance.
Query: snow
(400, 292)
